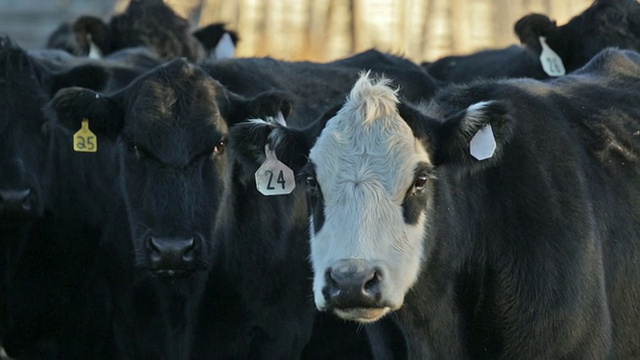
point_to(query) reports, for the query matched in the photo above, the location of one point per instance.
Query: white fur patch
(365, 162)
(475, 116)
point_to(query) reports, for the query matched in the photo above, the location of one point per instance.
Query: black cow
(308, 82)
(502, 219)
(166, 133)
(106, 74)
(259, 296)
(606, 23)
(23, 146)
(25, 88)
(148, 23)
(47, 234)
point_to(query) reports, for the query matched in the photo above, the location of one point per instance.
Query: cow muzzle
(18, 203)
(169, 256)
(353, 290)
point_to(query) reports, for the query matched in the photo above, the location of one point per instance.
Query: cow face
(23, 135)
(371, 179)
(170, 128)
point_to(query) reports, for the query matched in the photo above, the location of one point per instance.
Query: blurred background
(318, 30)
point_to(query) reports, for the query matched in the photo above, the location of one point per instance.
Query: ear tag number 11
(273, 177)
(84, 140)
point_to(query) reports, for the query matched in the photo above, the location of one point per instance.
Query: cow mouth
(363, 315)
(172, 273)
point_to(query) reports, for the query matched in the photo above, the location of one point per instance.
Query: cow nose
(17, 201)
(171, 253)
(353, 287)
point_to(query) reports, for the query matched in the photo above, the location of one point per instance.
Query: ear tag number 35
(84, 140)
(273, 177)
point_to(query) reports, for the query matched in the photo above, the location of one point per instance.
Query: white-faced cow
(500, 221)
(606, 23)
(262, 239)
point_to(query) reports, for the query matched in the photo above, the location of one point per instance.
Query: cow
(606, 23)
(45, 236)
(107, 74)
(262, 240)
(500, 219)
(166, 133)
(148, 23)
(312, 95)
(22, 149)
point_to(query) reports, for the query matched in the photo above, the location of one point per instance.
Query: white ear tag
(279, 119)
(274, 177)
(225, 49)
(94, 50)
(551, 62)
(483, 144)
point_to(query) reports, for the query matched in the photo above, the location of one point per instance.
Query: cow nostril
(18, 201)
(188, 252)
(372, 282)
(154, 248)
(332, 285)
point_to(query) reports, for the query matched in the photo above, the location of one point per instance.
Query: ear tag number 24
(273, 177)
(84, 140)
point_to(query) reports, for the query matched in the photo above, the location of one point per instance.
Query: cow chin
(362, 315)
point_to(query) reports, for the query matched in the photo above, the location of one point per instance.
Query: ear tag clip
(483, 143)
(273, 177)
(84, 140)
(551, 62)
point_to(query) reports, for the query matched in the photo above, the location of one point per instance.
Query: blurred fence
(319, 29)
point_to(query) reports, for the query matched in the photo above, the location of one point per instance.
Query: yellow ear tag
(84, 140)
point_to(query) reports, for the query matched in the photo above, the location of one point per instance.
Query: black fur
(606, 23)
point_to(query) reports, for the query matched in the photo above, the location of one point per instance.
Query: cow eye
(219, 148)
(131, 146)
(44, 129)
(312, 184)
(420, 183)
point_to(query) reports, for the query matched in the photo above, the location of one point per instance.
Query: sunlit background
(318, 30)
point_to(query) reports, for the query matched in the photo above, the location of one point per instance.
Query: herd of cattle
(161, 199)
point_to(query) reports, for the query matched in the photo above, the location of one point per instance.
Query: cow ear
(71, 106)
(470, 139)
(90, 76)
(249, 139)
(268, 104)
(530, 28)
(218, 42)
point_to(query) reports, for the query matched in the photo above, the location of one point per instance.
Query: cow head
(218, 42)
(23, 132)
(170, 130)
(606, 23)
(25, 88)
(154, 24)
(370, 181)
